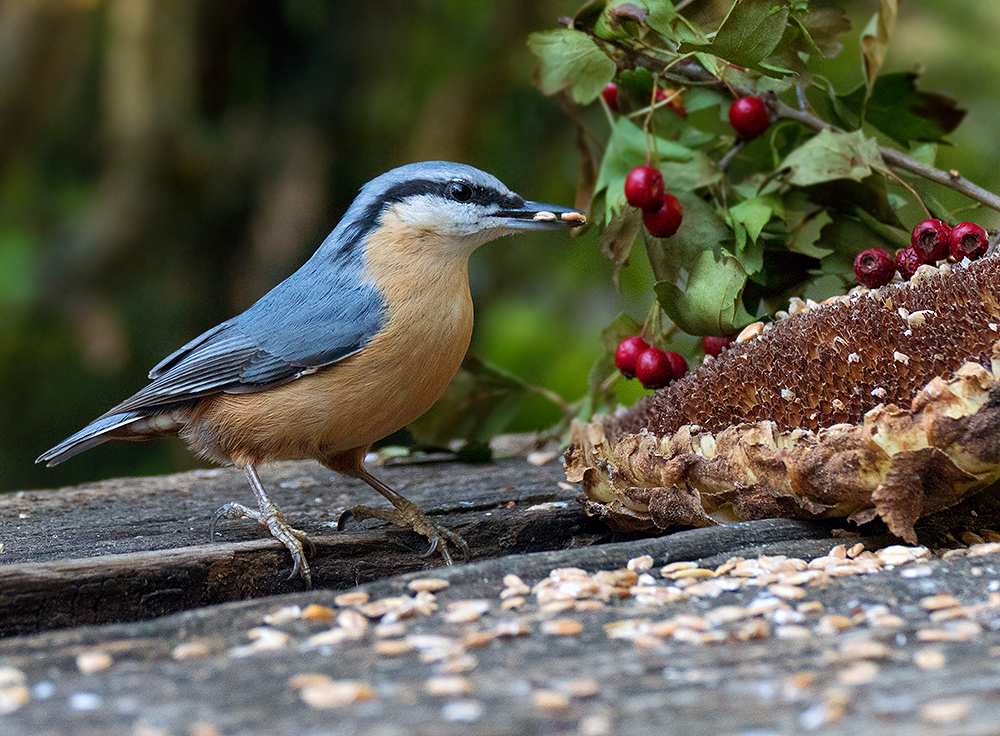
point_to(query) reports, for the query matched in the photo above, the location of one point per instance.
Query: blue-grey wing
(301, 325)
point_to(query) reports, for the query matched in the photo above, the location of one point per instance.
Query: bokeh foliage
(164, 162)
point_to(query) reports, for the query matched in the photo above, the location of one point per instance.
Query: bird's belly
(353, 403)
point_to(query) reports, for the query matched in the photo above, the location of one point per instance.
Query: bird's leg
(270, 516)
(405, 514)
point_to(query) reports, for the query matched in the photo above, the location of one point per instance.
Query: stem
(950, 179)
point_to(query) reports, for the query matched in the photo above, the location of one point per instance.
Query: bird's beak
(538, 216)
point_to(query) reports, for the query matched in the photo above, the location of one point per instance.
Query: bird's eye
(459, 190)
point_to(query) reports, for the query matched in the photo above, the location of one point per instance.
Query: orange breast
(367, 396)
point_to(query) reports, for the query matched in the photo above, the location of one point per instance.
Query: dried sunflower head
(804, 420)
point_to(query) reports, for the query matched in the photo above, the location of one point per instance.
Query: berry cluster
(661, 211)
(931, 241)
(653, 367)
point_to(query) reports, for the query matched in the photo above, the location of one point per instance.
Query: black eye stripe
(485, 196)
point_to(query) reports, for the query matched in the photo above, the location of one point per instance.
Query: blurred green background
(164, 162)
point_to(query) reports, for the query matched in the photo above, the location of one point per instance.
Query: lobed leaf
(828, 156)
(571, 60)
(711, 302)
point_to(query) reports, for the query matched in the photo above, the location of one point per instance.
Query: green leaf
(619, 236)
(711, 303)
(702, 228)
(808, 33)
(828, 156)
(687, 176)
(822, 27)
(875, 39)
(627, 149)
(805, 229)
(748, 219)
(571, 60)
(665, 20)
(899, 110)
(748, 35)
(754, 213)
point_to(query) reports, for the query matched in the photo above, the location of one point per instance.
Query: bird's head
(453, 205)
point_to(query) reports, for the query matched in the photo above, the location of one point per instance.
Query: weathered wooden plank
(137, 548)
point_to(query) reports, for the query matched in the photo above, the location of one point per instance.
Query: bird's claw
(411, 517)
(280, 529)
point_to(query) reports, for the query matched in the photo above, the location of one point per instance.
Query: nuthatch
(356, 344)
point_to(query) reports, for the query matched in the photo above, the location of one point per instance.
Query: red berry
(678, 365)
(874, 268)
(749, 117)
(714, 346)
(967, 240)
(628, 353)
(664, 221)
(644, 188)
(653, 368)
(610, 95)
(930, 238)
(908, 261)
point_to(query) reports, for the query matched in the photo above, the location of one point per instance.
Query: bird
(357, 343)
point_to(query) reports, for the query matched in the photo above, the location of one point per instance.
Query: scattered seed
(391, 630)
(863, 648)
(929, 658)
(354, 598)
(946, 711)
(466, 611)
(313, 612)
(750, 332)
(787, 592)
(428, 585)
(91, 662)
(542, 458)
(393, 647)
(459, 664)
(583, 687)
(322, 692)
(283, 615)
(640, 564)
(958, 631)
(562, 627)
(859, 673)
(512, 603)
(475, 639)
(939, 602)
(190, 649)
(549, 700)
(352, 620)
(448, 686)
(325, 638)
(14, 691)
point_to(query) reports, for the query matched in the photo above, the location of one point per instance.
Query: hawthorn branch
(897, 159)
(690, 72)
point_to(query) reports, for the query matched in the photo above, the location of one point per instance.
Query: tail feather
(95, 433)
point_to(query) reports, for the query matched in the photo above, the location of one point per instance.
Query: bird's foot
(409, 516)
(272, 518)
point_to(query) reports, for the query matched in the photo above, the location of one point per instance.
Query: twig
(692, 73)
